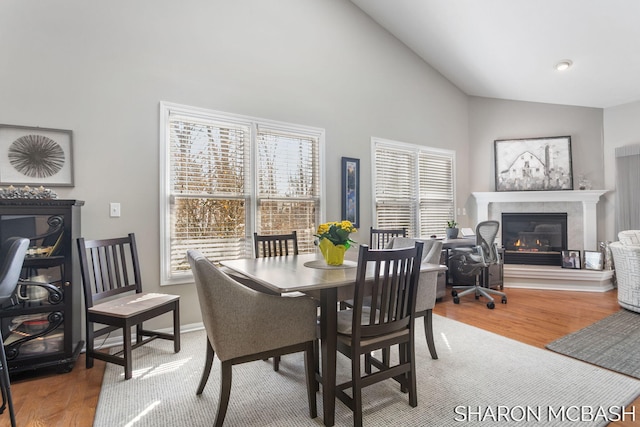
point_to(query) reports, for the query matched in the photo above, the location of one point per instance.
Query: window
(413, 187)
(225, 176)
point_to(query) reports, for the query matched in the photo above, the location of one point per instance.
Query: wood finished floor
(532, 316)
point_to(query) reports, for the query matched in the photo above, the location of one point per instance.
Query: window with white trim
(227, 176)
(413, 187)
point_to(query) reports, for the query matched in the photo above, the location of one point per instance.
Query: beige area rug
(480, 378)
(612, 343)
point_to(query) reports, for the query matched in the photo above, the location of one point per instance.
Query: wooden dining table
(309, 274)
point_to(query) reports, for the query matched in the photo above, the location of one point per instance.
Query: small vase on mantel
(333, 254)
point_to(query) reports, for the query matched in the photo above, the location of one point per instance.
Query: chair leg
(176, 328)
(312, 384)
(89, 346)
(5, 383)
(128, 363)
(356, 378)
(207, 368)
(428, 331)
(411, 375)
(276, 363)
(225, 392)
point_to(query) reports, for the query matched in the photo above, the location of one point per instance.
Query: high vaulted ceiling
(508, 49)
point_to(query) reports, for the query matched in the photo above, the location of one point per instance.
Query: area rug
(612, 343)
(480, 378)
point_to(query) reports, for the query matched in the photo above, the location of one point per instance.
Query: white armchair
(626, 258)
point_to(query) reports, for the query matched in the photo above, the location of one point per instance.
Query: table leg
(329, 341)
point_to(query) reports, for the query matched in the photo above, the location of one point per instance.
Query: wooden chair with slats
(114, 297)
(385, 320)
(275, 244)
(380, 237)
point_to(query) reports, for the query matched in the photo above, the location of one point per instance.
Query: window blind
(413, 187)
(225, 177)
(288, 187)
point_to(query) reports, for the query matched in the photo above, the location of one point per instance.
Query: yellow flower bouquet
(333, 240)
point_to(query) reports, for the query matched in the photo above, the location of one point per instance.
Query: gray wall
(491, 119)
(622, 128)
(101, 69)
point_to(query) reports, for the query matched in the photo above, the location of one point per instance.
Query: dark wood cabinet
(41, 323)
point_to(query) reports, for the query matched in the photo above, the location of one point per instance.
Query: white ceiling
(508, 49)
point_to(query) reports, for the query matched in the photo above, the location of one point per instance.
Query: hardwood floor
(532, 316)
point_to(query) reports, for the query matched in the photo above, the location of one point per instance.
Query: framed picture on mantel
(534, 164)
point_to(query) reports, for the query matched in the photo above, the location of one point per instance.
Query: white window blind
(226, 176)
(288, 184)
(413, 187)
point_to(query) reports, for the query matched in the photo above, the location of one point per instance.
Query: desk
(289, 274)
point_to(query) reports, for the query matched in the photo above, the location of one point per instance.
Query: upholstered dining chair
(114, 298)
(427, 288)
(12, 253)
(244, 325)
(363, 329)
(380, 237)
(474, 262)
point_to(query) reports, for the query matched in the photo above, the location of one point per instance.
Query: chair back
(109, 267)
(240, 321)
(12, 253)
(275, 244)
(393, 290)
(380, 237)
(486, 232)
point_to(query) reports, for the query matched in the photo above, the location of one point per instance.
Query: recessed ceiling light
(565, 64)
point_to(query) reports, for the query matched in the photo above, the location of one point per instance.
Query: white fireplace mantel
(588, 198)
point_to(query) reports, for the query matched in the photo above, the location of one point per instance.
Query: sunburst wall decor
(35, 156)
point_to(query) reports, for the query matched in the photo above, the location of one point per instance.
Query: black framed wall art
(351, 190)
(533, 164)
(35, 156)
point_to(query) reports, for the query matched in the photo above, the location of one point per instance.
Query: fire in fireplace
(534, 238)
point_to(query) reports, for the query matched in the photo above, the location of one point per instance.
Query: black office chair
(475, 262)
(12, 253)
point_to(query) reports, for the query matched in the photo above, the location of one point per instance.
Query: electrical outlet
(114, 210)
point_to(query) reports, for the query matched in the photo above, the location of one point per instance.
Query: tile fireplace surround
(582, 225)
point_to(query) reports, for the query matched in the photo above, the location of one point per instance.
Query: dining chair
(428, 285)
(244, 325)
(387, 320)
(114, 297)
(268, 246)
(275, 244)
(12, 253)
(380, 237)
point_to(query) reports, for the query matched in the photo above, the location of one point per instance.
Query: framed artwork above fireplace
(533, 164)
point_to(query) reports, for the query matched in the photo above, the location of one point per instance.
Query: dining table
(309, 274)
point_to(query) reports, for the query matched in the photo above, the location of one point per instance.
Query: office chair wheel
(504, 300)
(454, 293)
(491, 305)
(477, 296)
(456, 300)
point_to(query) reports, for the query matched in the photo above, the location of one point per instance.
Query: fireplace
(534, 238)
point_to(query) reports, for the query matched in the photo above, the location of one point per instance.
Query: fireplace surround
(582, 225)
